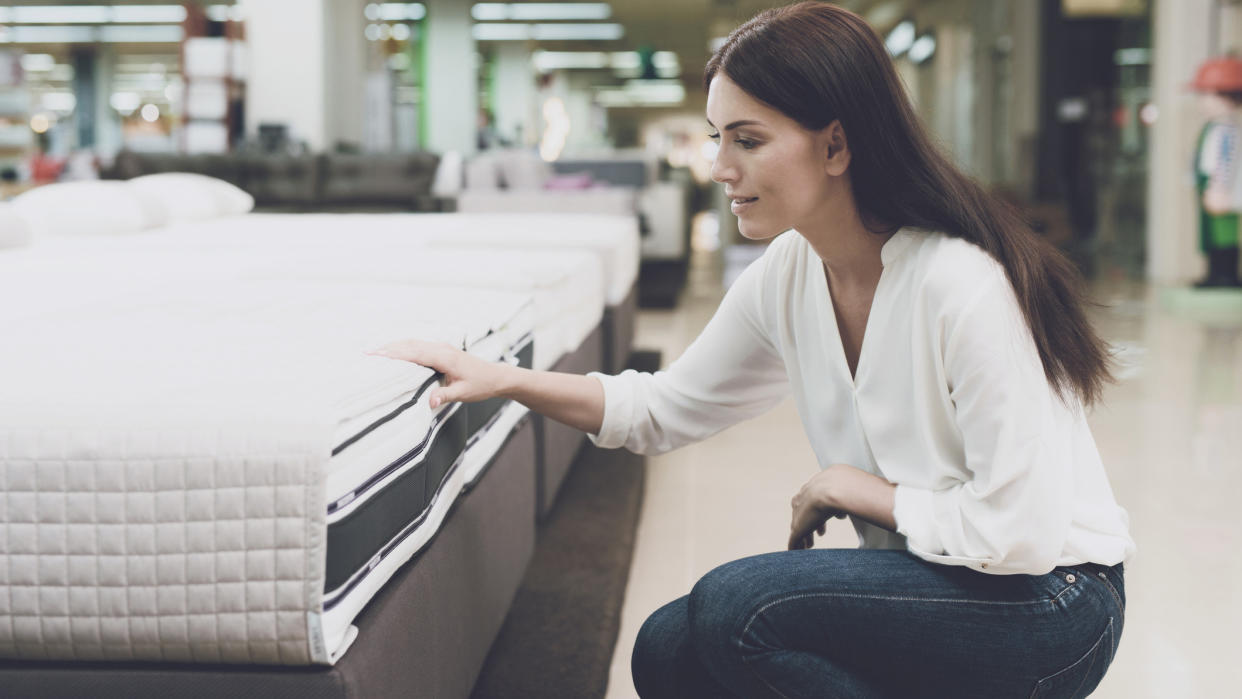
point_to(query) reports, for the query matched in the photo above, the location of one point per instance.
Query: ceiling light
(395, 11)
(142, 34)
(576, 32)
(51, 35)
(501, 32)
(547, 61)
(900, 39)
(538, 11)
(922, 48)
(60, 14)
(137, 14)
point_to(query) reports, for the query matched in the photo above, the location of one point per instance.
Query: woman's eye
(714, 136)
(745, 143)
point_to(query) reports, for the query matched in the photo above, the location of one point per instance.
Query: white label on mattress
(350, 635)
(318, 650)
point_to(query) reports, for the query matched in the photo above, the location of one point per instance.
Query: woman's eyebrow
(736, 124)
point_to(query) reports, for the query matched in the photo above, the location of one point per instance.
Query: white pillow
(95, 207)
(186, 196)
(14, 231)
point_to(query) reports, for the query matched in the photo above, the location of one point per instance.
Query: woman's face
(775, 171)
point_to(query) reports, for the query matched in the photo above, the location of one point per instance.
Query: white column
(451, 89)
(1180, 44)
(287, 77)
(516, 112)
(346, 72)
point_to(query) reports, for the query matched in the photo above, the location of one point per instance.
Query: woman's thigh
(785, 623)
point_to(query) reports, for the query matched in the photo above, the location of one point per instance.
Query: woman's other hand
(837, 491)
(467, 378)
(811, 512)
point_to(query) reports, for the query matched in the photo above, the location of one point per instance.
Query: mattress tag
(318, 649)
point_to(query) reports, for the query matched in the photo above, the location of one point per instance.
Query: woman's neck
(850, 252)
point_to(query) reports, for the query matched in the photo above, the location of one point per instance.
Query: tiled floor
(1171, 436)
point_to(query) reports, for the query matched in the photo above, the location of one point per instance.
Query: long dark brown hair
(817, 63)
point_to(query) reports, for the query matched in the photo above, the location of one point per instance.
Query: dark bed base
(557, 444)
(619, 332)
(426, 634)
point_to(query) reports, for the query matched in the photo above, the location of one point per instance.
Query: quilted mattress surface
(170, 451)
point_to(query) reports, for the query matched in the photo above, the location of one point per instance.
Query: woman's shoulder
(951, 265)
(952, 270)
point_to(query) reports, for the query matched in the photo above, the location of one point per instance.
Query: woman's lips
(740, 205)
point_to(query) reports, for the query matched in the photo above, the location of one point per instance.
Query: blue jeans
(868, 623)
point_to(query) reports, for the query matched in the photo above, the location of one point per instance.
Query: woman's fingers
(438, 356)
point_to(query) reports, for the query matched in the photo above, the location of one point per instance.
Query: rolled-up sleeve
(1013, 512)
(731, 372)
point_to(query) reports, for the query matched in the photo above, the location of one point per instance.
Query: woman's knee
(661, 640)
(718, 607)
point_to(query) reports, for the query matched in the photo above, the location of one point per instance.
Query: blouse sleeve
(731, 372)
(1013, 513)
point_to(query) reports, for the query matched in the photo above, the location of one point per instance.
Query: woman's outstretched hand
(467, 378)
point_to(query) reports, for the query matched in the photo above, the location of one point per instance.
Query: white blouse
(949, 401)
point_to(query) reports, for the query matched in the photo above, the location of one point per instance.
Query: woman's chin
(752, 230)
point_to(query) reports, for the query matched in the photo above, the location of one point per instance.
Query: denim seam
(1094, 647)
(1113, 591)
(1068, 587)
(759, 677)
(895, 598)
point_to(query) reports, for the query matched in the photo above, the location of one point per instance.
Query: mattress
(566, 286)
(219, 473)
(613, 240)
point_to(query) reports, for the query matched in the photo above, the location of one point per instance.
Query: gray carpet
(559, 636)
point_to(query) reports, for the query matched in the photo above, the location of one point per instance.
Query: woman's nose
(721, 170)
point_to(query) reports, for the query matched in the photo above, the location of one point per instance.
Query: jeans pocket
(1081, 677)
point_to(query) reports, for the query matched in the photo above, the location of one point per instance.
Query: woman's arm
(731, 372)
(577, 401)
(836, 491)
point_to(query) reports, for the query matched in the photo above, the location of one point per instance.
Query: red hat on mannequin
(1222, 74)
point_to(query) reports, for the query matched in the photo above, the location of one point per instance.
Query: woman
(940, 360)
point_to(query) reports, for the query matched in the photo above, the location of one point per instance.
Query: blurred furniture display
(614, 183)
(375, 180)
(290, 182)
(297, 519)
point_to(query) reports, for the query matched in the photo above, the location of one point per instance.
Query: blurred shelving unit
(16, 136)
(213, 66)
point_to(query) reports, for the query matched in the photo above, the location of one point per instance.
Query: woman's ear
(836, 148)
